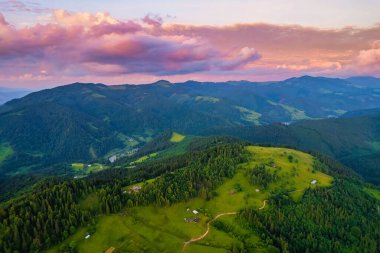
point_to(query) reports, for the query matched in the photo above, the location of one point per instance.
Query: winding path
(265, 202)
(209, 223)
(208, 229)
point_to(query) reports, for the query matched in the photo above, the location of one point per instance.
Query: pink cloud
(79, 43)
(78, 46)
(369, 59)
(155, 21)
(3, 22)
(19, 6)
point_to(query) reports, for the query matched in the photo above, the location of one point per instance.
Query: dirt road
(209, 223)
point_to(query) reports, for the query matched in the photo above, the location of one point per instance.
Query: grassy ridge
(163, 229)
(293, 165)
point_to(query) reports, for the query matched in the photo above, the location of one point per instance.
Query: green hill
(230, 185)
(91, 122)
(351, 140)
(157, 229)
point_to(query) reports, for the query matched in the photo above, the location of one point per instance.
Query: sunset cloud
(78, 45)
(20, 6)
(369, 60)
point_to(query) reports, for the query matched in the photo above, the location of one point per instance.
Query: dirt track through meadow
(211, 221)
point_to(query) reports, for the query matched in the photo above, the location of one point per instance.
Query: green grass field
(144, 158)
(180, 147)
(5, 152)
(85, 169)
(249, 115)
(77, 166)
(374, 192)
(294, 112)
(207, 99)
(139, 184)
(163, 229)
(176, 137)
(296, 175)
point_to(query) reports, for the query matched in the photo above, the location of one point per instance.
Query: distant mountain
(86, 122)
(368, 112)
(7, 94)
(365, 81)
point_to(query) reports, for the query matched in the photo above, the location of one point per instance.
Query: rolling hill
(352, 140)
(219, 195)
(91, 122)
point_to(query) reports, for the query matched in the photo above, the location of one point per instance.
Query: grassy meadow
(85, 169)
(176, 137)
(180, 147)
(5, 152)
(163, 229)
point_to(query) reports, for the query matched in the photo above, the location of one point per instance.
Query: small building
(87, 236)
(313, 182)
(112, 159)
(195, 212)
(257, 190)
(196, 220)
(135, 188)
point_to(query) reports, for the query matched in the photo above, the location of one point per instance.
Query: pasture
(5, 152)
(165, 229)
(176, 137)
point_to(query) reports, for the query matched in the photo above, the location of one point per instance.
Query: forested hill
(87, 122)
(353, 140)
(267, 192)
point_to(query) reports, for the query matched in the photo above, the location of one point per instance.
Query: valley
(237, 173)
(89, 123)
(168, 126)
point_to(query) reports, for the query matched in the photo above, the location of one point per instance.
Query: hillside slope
(86, 122)
(352, 140)
(218, 197)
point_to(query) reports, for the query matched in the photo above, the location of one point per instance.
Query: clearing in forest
(176, 137)
(166, 229)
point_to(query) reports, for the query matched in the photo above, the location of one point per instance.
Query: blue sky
(318, 13)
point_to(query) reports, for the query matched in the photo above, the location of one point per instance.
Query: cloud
(153, 20)
(369, 59)
(20, 6)
(3, 22)
(84, 19)
(80, 45)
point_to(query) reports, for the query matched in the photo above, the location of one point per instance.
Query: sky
(50, 43)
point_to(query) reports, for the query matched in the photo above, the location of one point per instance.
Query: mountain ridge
(126, 117)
